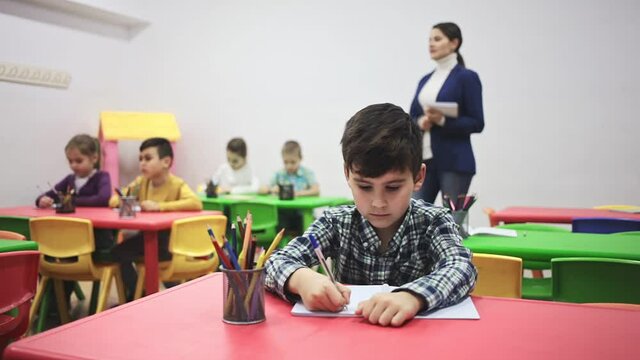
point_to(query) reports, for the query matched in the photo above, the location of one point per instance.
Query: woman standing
(447, 145)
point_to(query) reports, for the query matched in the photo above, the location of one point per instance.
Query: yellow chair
(618, 207)
(192, 254)
(498, 275)
(66, 245)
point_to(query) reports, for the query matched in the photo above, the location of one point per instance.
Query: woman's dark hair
(452, 32)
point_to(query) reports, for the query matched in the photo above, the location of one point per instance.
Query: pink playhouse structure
(116, 126)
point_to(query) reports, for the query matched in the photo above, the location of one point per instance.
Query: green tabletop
(17, 245)
(305, 204)
(544, 246)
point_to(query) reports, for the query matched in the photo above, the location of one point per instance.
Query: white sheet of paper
(493, 231)
(463, 310)
(449, 109)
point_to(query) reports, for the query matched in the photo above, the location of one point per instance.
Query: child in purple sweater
(91, 186)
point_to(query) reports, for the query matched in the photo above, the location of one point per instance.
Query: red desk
(105, 218)
(522, 214)
(185, 322)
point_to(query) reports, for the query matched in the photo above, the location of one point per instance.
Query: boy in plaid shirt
(387, 237)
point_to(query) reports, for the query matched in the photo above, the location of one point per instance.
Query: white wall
(560, 84)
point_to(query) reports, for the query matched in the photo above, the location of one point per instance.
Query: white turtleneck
(429, 94)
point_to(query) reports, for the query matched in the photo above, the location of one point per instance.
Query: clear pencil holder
(128, 207)
(461, 219)
(243, 296)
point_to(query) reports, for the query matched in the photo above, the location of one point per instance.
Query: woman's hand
(436, 117)
(424, 123)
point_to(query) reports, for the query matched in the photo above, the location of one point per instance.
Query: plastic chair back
(19, 277)
(617, 207)
(66, 245)
(16, 224)
(10, 235)
(498, 275)
(604, 225)
(193, 254)
(265, 219)
(602, 280)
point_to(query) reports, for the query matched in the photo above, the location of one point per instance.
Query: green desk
(544, 246)
(17, 245)
(305, 204)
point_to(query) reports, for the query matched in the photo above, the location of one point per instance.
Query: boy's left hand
(149, 205)
(390, 308)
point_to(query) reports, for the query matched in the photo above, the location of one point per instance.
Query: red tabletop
(521, 214)
(185, 322)
(106, 218)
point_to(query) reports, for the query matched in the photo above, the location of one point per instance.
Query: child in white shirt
(235, 176)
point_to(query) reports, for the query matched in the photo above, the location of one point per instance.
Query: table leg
(151, 261)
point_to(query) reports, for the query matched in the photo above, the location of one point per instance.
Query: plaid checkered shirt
(425, 256)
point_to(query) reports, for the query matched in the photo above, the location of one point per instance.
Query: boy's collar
(161, 179)
(396, 238)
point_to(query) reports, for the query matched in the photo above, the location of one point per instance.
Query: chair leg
(139, 283)
(95, 290)
(40, 291)
(58, 287)
(122, 297)
(44, 307)
(105, 287)
(78, 291)
(537, 274)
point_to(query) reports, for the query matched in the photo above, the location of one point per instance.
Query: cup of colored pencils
(460, 211)
(67, 203)
(243, 296)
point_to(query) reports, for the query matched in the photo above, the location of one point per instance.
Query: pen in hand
(323, 261)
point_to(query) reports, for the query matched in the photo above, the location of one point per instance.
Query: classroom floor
(80, 309)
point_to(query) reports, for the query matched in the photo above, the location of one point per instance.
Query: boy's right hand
(45, 202)
(317, 291)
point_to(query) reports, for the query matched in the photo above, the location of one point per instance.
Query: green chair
(212, 206)
(265, 219)
(16, 224)
(596, 280)
(537, 288)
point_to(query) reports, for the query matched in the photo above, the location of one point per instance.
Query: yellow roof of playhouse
(138, 126)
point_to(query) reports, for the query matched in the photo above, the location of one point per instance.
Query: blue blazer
(451, 143)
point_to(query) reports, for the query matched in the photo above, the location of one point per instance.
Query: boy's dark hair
(161, 144)
(292, 147)
(87, 145)
(237, 146)
(381, 138)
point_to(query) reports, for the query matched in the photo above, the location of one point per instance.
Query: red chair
(19, 278)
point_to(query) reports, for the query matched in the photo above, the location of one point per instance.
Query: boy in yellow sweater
(157, 190)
